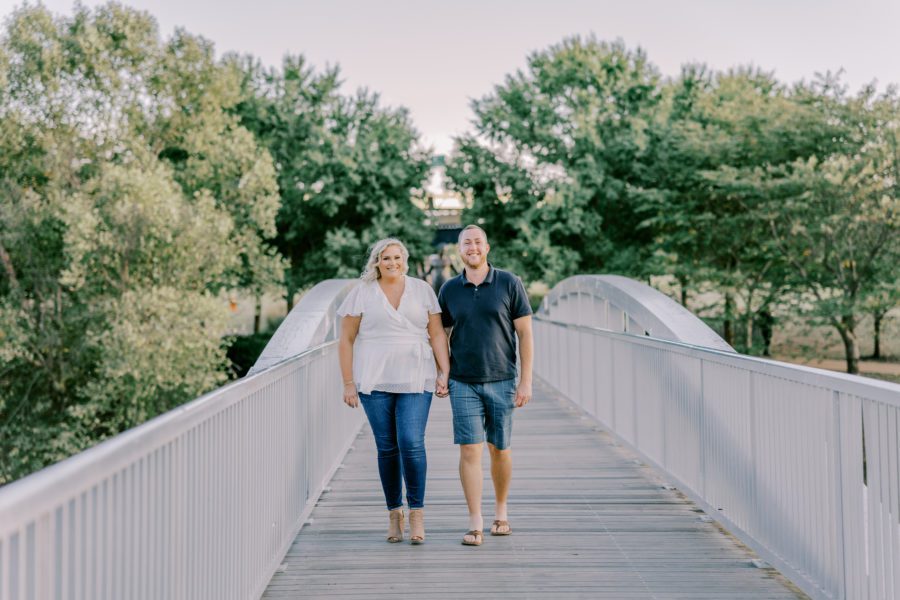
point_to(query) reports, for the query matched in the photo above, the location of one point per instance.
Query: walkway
(590, 521)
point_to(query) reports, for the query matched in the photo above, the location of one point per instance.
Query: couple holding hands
(394, 357)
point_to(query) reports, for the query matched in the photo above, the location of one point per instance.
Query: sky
(435, 57)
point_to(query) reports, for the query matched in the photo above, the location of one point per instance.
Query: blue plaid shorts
(483, 410)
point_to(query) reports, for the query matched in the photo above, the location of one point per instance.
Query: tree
(884, 298)
(708, 217)
(346, 169)
(556, 159)
(129, 195)
(837, 220)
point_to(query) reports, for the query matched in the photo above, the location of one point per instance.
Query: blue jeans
(398, 423)
(483, 410)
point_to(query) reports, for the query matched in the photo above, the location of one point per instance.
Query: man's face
(473, 248)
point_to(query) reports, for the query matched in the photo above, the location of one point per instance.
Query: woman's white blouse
(392, 352)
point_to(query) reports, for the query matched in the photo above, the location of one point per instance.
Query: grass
(892, 377)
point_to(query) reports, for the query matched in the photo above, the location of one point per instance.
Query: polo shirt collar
(488, 279)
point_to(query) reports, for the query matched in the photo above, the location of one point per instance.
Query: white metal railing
(802, 464)
(202, 502)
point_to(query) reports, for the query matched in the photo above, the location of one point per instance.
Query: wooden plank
(589, 520)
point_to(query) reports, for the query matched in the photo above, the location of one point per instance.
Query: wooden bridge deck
(589, 520)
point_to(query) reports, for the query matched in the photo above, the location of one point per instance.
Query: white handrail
(773, 451)
(202, 502)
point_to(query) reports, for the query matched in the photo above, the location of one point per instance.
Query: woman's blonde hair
(372, 272)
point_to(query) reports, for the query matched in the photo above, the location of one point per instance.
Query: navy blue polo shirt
(483, 340)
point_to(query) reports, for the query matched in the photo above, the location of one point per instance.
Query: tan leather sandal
(416, 526)
(475, 533)
(395, 529)
(495, 528)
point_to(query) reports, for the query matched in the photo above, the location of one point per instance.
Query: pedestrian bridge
(654, 462)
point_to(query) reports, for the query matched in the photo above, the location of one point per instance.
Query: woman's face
(390, 264)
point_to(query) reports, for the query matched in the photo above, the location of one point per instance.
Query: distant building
(443, 207)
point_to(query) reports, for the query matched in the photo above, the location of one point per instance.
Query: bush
(245, 349)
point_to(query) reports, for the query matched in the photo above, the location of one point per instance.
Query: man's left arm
(526, 359)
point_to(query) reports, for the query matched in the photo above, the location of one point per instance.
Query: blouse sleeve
(353, 304)
(431, 300)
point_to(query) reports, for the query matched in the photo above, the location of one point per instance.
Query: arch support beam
(625, 305)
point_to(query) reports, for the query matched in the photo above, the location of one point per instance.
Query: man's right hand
(442, 389)
(351, 398)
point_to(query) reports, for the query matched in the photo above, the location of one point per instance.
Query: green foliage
(137, 181)
(556, 160)
(244, 350)
(129, 195)
(730, 182)
(836, 221)
(346, 169)
(132, 226)
(803, 204)
(708, 218)
(156, 347)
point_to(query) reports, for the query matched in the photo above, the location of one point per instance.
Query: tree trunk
(291, 292)
(682, 281)
(257, 314)
(766, 321)
(847, 328)
(876, 351)
(8, 267)
(749, 330)
(728, 325)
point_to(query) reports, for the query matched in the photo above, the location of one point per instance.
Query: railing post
(701, 419)
(841, 570)
(633, 354)
(612, 386)
(754, 457)
(664, 423)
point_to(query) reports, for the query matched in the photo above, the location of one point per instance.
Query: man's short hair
(468, 228)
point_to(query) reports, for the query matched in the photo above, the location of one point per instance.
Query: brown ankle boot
(416, 526)
(395, 529)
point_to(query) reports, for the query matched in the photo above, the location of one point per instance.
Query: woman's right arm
(441, 354)
(349, 329)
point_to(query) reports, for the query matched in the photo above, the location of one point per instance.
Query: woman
(388, 323)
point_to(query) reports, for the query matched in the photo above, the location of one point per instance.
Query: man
(484, 309)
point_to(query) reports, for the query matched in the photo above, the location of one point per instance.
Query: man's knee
(471, 452)
(498, 453)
